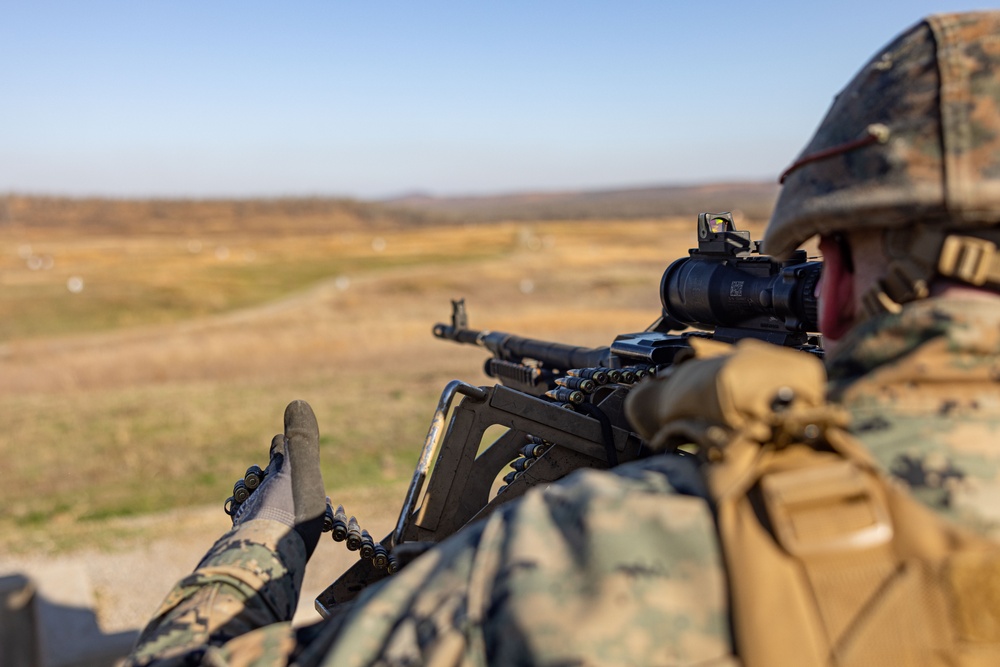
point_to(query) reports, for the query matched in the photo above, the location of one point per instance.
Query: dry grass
(155, 386)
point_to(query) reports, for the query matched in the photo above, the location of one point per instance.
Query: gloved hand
(292, 491)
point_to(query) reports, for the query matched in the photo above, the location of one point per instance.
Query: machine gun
(559, 408)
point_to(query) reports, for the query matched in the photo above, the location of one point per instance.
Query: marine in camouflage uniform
(624, 567)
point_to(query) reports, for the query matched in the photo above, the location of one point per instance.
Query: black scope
(726, 283)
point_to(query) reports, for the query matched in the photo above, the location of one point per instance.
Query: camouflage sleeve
(249, 579)
(603, 569)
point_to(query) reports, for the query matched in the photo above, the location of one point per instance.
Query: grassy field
(143, 369)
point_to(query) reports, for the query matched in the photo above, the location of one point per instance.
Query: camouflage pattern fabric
(620, 567)
(249, 579)
(922, 389)
(612, 568)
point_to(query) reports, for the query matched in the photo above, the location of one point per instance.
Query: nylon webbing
(917, 255)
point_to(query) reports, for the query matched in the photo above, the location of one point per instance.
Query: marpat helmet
(913, 141)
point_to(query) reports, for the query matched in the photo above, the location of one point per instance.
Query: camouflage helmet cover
(914, 137)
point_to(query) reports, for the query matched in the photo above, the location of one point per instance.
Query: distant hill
(201, 216)
(323, 214)
(754, 199)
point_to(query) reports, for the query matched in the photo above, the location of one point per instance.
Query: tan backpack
(830, 561)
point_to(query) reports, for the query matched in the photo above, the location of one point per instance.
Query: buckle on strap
(968, 259)
(826, 509)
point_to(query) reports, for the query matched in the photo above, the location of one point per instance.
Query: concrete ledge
(18, 641)
(59, 625)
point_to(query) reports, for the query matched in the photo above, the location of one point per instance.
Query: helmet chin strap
(921, 253)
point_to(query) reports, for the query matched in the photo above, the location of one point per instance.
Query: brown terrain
(147, 350)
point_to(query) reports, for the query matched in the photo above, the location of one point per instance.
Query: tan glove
(732, 388)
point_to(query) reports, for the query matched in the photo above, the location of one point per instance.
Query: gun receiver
(561, 407)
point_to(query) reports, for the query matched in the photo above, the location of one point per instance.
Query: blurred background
(209, 209)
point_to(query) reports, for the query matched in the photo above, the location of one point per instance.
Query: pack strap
(917, 255)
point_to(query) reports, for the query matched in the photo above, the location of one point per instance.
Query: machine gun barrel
(509, 347)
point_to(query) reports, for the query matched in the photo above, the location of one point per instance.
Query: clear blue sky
(370, 99)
